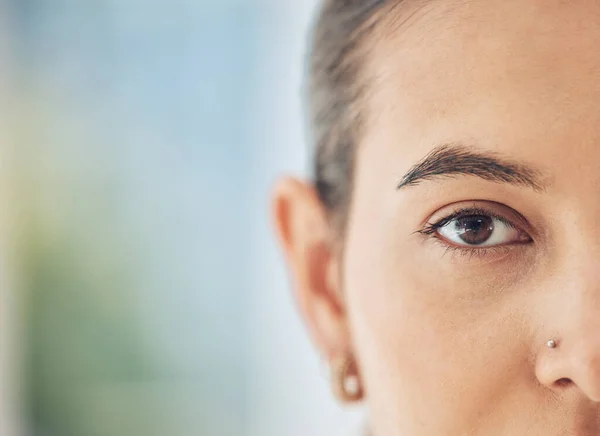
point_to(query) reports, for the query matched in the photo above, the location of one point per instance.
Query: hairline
(349, 126)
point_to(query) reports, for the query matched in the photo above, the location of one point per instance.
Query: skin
(451, 340)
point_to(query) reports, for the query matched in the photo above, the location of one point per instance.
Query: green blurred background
(142, 290)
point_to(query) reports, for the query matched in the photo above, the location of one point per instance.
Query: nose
(574, 362)
(576, 368)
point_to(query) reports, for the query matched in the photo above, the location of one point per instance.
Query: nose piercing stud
(551, 343)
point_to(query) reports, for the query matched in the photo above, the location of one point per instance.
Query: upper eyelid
(431, 227)
(486, 207)
(474, 212)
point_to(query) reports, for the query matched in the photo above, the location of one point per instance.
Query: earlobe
(306, 237)
(346, 383)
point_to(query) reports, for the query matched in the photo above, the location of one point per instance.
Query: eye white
(502, 233)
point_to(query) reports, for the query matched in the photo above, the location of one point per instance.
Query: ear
(308, 242)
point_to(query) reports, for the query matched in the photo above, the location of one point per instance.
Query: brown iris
(475, 229)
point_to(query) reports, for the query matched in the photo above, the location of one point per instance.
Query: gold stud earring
(345, 381)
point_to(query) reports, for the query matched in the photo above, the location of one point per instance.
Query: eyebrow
(457, 159)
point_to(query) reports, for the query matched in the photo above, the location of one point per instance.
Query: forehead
(516, 76)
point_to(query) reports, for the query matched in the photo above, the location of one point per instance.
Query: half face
(474, 230)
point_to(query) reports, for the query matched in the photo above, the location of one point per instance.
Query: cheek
(423, 337)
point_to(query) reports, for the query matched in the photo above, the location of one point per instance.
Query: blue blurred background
(142, 291)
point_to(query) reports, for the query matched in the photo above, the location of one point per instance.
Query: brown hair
(335, 86)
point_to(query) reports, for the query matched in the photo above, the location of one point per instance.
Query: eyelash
(430, 230)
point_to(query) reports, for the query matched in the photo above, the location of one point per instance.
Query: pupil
(476, 229)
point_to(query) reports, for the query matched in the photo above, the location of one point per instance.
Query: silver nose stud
(551, 343)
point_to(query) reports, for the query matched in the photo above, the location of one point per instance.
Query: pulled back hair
(335, 88)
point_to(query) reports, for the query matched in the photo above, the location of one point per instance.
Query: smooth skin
(450, 338)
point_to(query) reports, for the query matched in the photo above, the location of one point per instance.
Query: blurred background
(141, 291)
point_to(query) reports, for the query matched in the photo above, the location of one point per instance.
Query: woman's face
(487, 113)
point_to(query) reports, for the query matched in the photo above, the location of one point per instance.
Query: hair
(336, 86)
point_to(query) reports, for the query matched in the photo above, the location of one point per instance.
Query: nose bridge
(580, 278)
(578, 248)
(580, 309)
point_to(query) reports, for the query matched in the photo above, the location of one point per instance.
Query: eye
(480, 231)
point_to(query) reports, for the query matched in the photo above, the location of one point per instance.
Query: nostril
(564, 382)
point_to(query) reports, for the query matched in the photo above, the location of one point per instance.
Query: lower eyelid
(489, 253)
